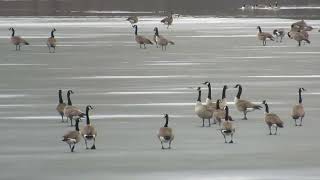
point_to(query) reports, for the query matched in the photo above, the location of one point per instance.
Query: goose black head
(206, 83)
(199, 89)
(264, 102)
(134, 26)
(89, 107)
(155, 29)
(238, 85)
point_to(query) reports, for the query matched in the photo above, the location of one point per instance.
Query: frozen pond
(132, 88)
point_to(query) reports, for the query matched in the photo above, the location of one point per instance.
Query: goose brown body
(203, 111)
(165, 133)
(141, 40)
(51, 41)
(17, 40)
(89, 132)
(72, 137)
(263, 36)
(244, 106)
(298, 111)
(61, 105)
(71, 111)
(272, 119)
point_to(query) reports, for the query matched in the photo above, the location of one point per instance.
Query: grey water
(226, 8)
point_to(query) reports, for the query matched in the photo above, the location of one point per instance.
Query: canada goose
(61, 106)
(71, 111)
(227, 127)
(72, 137)
(165, 133)
(279, 33)
(272, 119)
(219, 113)
(263, 36)
(298, 110)
(132, 19)
(160, 40)
(17, 40)
(244, 105)
(223, 98)
(299, 36)
(51, 42)
(167, 20)
(203, 111)
(301, 25)
(88, 132)
(141, 39)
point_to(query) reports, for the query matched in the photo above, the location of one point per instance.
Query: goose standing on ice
(17, 40)
(219, 113)
(51, 42)
(244, 105)
(298, 110)
(299, 36)
(160, 40)
(165, 133)
(203, 111)
(61, 105)
(71, 111)
(227, 127)
(89, 132)
(132, 19)
(167, 20)
(272, 119)
(72, 137)
(263, 36)
(141, 40)
(279, 33)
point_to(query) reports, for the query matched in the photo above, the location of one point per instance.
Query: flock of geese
(299, 32)
(217, 110)
(88, 132)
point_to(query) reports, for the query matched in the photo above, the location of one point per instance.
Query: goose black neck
(77, 125)
(300, 97)
(60, 97)
(52, 35)
(224, 92)
(227, 113)
(267, 107)
(209, 91)
(199, 96)
(157, 32)
(69, 99)
(259, 29)
(136, 30)
(167, 121)
(12, 32)
(218, 104)
(239, 91)
(87, 114)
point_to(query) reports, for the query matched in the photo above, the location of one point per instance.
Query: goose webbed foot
(72, 149)
(93, 147)
(231, 142)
